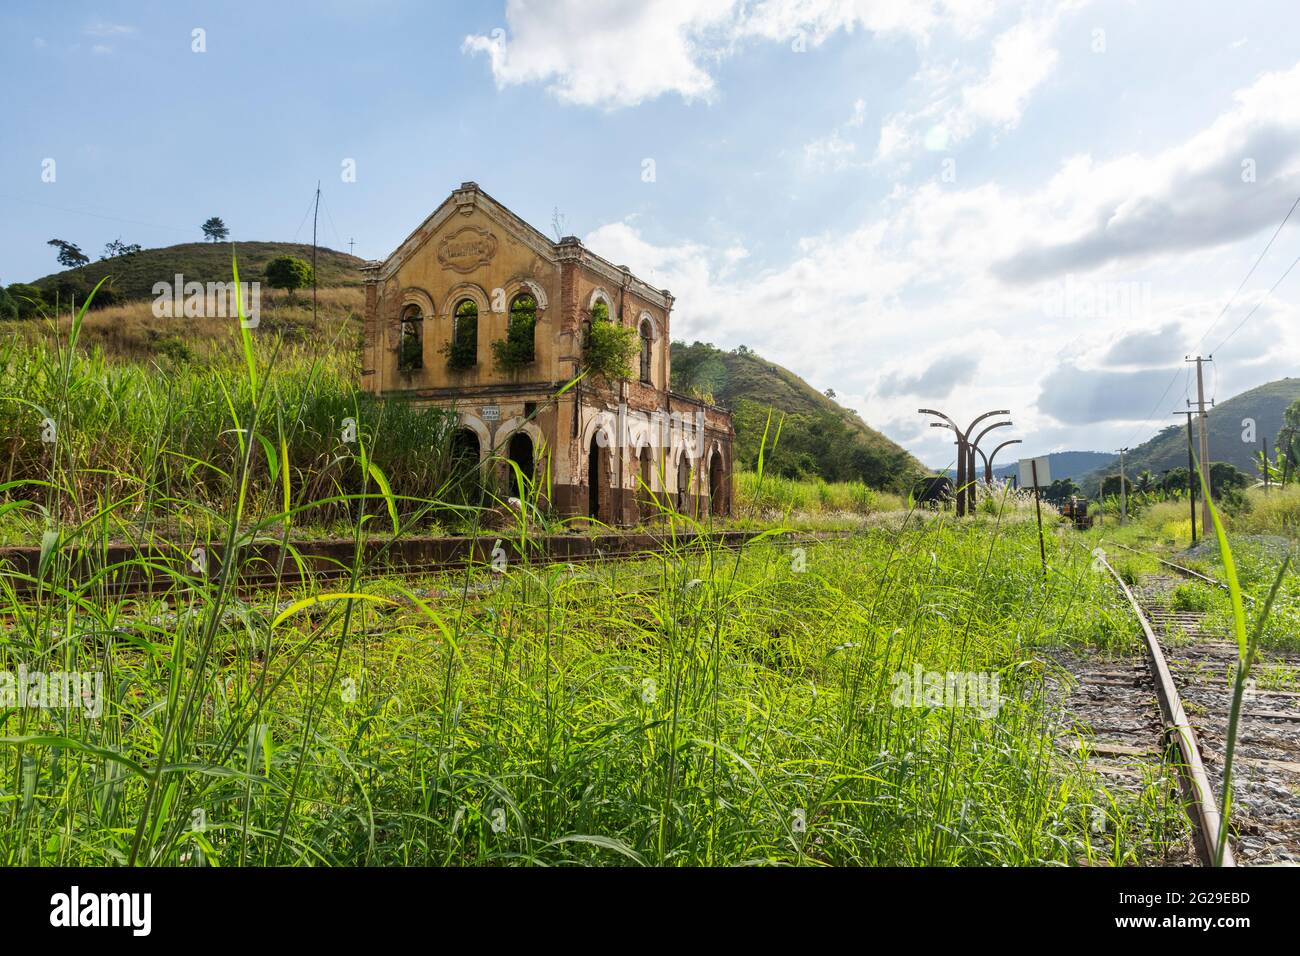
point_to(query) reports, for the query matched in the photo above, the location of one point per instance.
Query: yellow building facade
(474, 274)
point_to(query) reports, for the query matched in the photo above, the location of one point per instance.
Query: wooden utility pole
(351, 243)
(1206, 520)
(313, 253)
(1191, 472)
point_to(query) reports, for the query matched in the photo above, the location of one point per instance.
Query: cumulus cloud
(1227, 182)
(618, 53)
(1145, 348)
(957, 100)
(936, 380)
(923, 270)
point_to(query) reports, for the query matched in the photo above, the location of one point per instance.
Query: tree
(69, 254)
(1060, 490)
(1175, 480)
(119, 248)
(1144, 480)
(27, 299)
(288, 273)
(1225, 476)
(214, 230)
(829, 393)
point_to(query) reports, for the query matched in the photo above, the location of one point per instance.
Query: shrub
(288, 273)
(516, 350)
(609, 349)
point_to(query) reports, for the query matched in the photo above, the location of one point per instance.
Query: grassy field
(695, 708)
(887, 697)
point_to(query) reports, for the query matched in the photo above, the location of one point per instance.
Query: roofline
(471, 194)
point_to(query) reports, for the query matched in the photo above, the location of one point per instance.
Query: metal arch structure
(988, 462)
(965, 453)
(975, 447)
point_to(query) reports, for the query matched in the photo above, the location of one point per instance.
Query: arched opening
(645, 493)
(521, 332)
(410, 346)
(593, 478)
(462, 350)
(683, 484)
(520, 451)
(717, 491)
(465, 455)
(647, 348)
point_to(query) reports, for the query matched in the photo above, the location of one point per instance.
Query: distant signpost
(1036, 473)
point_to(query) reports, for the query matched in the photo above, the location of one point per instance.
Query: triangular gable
(468, 195)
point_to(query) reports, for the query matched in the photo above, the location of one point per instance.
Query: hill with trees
(134, 273)
(1265, 405)
(819, 437)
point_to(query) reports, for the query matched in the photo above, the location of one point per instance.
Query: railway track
(122, 571)
(1180, 699)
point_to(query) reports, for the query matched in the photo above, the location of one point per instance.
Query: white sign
(1027, 468)
(491, 413)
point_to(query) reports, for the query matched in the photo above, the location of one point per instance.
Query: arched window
(647, 348)
(410, 346)
(523, 323)
(462, 351)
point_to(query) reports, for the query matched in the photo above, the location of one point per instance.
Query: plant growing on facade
(518, 349)
(462, 349)
(609, 348)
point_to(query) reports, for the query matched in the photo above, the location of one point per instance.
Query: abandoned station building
(479, 312)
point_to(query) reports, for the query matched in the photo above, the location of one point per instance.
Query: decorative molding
(467, 249)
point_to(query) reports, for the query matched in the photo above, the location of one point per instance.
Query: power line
(1220, 346)
(1227, 305)
(95, 215)
(1258, 260)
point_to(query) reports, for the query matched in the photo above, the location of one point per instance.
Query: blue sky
(911, 203)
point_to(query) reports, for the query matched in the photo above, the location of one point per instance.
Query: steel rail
(1202, 807)
(264, 575)
(1188, 572)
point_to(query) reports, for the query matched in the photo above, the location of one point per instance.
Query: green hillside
(133, 276)
(1265, 404)
(819, 437)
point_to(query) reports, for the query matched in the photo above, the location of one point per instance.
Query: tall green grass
(697, 707)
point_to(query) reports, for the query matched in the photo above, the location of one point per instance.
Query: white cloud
(872, 309)
(957, 101)
(618, 53)
(835, 152)
(1222, 184)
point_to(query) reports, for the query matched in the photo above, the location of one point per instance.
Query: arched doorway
(593, 478)
(645, 486)
(465, 455)
(520, 451)
(717, 490)
(683, 484)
